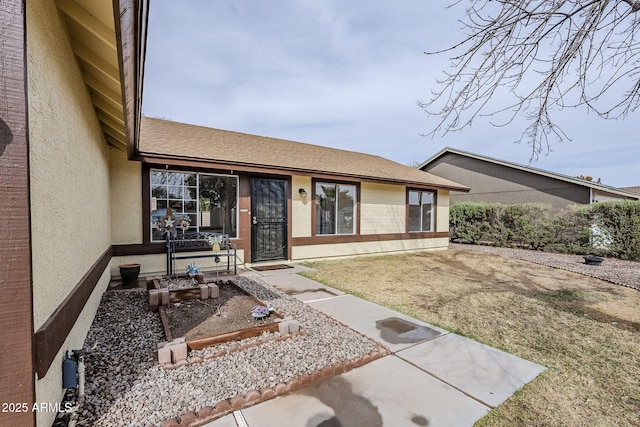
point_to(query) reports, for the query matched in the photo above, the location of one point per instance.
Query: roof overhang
(165, 142)
(108, 39)
(192, 162)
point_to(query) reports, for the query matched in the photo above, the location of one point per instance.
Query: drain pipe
(79, 356)
(81, 375)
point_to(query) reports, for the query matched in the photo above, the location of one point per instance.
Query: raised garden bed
(206, 322)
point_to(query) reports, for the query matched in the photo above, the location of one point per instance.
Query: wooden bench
(178, 247)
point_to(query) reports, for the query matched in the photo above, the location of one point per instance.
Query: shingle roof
(566, 178)
(170, 139)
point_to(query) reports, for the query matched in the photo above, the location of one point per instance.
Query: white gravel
(624, 273)
(125, 386)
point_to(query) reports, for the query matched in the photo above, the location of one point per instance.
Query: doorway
(269, 223)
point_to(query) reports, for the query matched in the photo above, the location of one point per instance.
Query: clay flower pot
(129, 272)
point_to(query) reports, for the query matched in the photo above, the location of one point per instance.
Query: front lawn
(585, 331)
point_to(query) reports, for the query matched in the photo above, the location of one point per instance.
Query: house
(82, 174)
(69, 99)
(498, 181)
(277, 199)
(635, 189)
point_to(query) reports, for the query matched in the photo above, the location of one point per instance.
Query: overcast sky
(344, 74)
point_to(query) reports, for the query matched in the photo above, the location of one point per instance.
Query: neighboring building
(69, 99)
(80, 181)
(635, 190)
(277, 199)
(498, 181)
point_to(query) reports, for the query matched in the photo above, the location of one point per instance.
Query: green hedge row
(611, 228)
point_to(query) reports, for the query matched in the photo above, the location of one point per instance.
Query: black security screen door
(269, 219)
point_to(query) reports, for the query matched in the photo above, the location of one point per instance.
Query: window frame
(356, 208)
(434, 204)
(194, 227)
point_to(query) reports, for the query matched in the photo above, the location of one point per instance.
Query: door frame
(287, 222)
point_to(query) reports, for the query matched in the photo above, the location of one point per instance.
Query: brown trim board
(52, 334)
(16, 312)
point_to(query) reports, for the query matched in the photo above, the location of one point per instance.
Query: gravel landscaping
(125, 386)
(624, 273)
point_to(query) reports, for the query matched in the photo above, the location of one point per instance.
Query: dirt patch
(198, 319)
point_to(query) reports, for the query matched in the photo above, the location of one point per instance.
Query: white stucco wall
(69, 176)
(383, 208)
(126, 198)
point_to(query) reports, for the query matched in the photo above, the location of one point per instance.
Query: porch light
(303, 193)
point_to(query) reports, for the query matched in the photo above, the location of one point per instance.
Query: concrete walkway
(432, 378)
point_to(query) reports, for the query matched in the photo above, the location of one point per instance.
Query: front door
(268, 219)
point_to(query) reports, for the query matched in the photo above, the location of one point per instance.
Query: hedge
(610, 228)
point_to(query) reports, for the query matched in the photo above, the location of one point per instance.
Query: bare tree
(549, 55)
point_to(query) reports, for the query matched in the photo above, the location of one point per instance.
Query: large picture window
(210, 201)
(421, 204)
(335, 208)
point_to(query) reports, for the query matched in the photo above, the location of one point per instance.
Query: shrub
(616, 227)
(611, 228)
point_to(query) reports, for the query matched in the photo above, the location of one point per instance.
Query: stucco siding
(366, 248)
(491, 182)
(69, 176)
(156, 264)
(442, 211)
(383, 209)
(126, 199)
(300, 207)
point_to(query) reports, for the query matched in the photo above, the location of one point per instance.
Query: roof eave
(252, 167)
(131, 17)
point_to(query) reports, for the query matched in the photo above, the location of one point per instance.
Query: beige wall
(69, 176)
(383, 208)
(300, 207)
(442, 212)
(366, 248)
(153, 265)
(126, 199)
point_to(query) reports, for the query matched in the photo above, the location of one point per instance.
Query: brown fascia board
(163, 159)
(131, 18)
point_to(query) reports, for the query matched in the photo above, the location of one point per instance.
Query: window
(421, 210)
(335, 208)
(210, 201)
